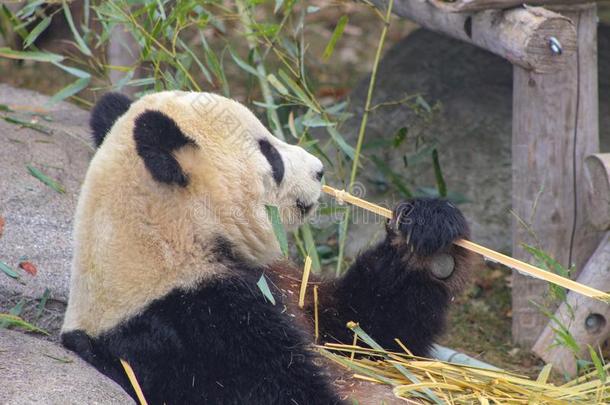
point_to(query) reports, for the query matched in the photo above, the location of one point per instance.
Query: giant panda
(171, 236)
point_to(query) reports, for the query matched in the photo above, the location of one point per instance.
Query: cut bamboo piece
(306, 271)
(134, 382)
(508, 261)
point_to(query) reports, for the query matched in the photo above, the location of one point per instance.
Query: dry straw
(304, 281)
(343, 196)
(440, 382)
(134, 382)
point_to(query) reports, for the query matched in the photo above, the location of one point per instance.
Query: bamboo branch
(362, 130)
(343, 196)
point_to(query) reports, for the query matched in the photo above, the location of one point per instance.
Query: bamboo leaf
(5, 108)
(399, 137)
(73, 71)
(46, 179)
(599, 366)
(337, 34)
(242, 64)
(264, 287)
(77, 37)
(316, 120)
(278, 6)
(28, 124)
(30, 55)
(310, 247)
(6, 269)
(203, 69)
(366, 338)
(43, 302)
(29, 9)
(273, 213)
(298, 91)
(12, 320)
(38, 29)
(277, 85)
(341, 143)
(438, 174)
(69, 90)
(64, 360)
(15, 311)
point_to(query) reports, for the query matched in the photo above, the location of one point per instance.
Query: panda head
(185, 168)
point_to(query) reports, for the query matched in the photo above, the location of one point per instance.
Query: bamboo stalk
(306, 271)
(344, 196)
(361, 132)
(134, 382)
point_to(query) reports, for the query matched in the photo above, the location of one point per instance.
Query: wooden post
(521, 35)
(598, 191)
(587, 320)
(555, 125)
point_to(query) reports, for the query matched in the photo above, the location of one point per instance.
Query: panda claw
(428, 225)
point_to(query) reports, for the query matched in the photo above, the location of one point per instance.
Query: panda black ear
(105, 113)
(157, 136)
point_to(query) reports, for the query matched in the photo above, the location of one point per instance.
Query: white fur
(137, 239)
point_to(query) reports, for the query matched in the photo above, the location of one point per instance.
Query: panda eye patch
(274, 158)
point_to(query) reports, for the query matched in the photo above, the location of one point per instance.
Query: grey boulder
(34, 371)
(38, 219)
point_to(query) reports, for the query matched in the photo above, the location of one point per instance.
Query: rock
(472, 129)
(38, 220)
(34, 371)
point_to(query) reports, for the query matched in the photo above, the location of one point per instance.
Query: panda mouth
(303, 207)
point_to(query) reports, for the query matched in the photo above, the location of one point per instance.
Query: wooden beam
(598, 191)
(521, 35)
(459, 6)
(555, 126)
(587, 320)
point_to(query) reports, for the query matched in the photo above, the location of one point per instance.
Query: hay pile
(439, 382)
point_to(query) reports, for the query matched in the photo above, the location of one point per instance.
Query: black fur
(157, 136)
(274, 158)
(105, 113)
(388, 290)
(434, 224)
(219, 344)
(222, 343)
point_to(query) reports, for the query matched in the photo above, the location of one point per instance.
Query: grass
(480, 324)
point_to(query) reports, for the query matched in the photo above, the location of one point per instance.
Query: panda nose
(319, 175)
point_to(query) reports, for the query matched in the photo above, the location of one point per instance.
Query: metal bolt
(555, 46)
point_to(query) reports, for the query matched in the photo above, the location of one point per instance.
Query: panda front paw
(428, 225)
